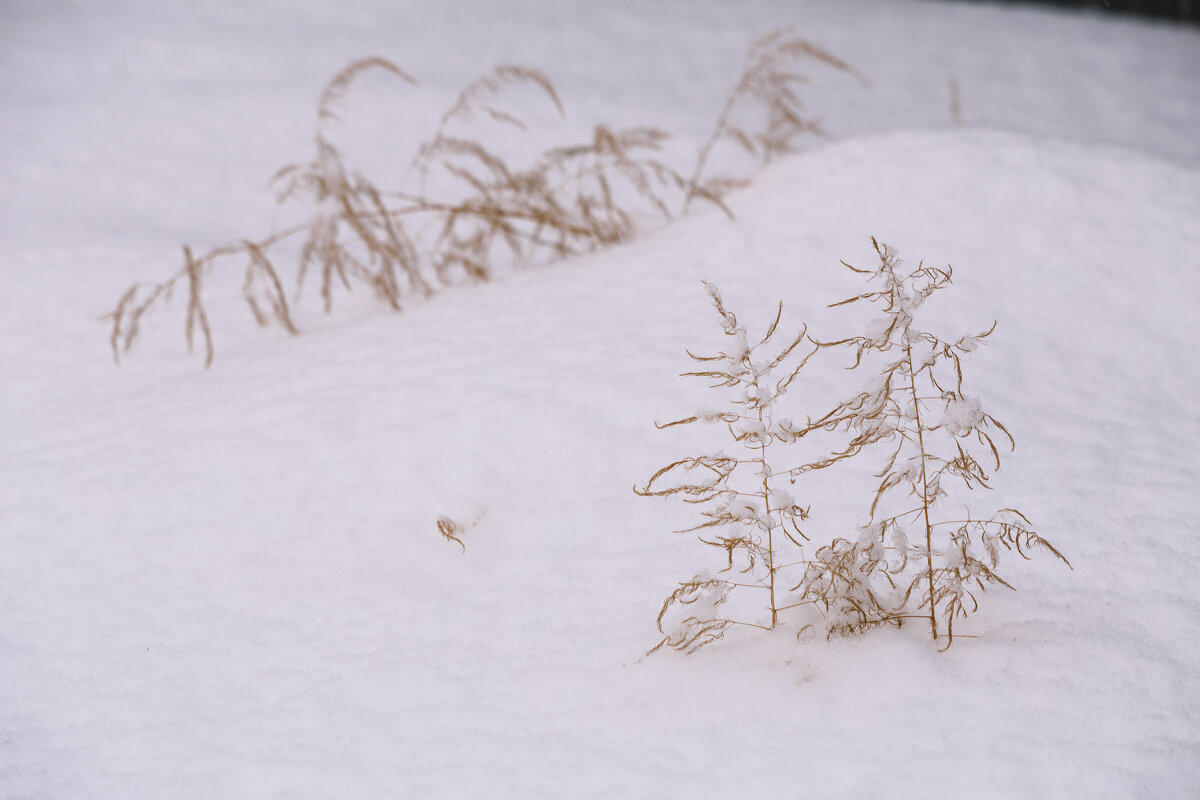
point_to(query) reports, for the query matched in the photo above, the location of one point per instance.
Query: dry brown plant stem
(766, 494)
(924, 488)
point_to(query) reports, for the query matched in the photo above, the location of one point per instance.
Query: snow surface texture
(232, 584)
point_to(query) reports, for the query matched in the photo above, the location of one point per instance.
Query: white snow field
(230, 583)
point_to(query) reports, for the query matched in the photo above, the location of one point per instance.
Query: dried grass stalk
(406, 242)
(935, 436)
(451, 531)
(769, 84)
(747, 511)
(908, 561)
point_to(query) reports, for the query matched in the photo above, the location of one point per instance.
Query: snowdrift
(232, 583)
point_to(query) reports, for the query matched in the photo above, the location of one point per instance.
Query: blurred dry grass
(410, 242)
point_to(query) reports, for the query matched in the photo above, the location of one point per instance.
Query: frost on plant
(936, 438)
(747, 510)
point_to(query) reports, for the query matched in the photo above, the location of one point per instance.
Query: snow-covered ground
(231, 583)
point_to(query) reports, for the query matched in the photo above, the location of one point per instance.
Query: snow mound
(232, 582)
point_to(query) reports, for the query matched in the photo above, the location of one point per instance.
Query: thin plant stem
(924, 496)
(762, 449)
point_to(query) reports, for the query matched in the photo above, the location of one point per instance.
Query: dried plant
(352, 233)
(748, 512)
(451, 531)
(909, 561)
(377, 252)
(936, 436)
(768, 84)
(843, 580)
(569, 200)
(463, 208)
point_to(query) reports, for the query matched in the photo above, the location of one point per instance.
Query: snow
(232, 584)
(961, 416)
